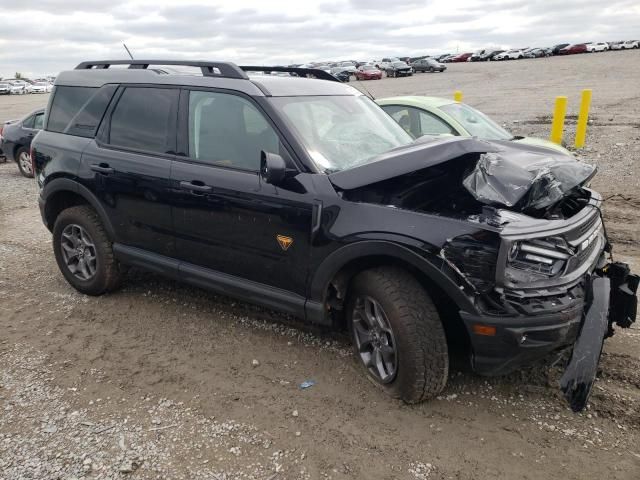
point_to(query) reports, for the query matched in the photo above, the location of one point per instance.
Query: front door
(225, 217)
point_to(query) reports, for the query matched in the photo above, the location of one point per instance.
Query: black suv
(302, 195)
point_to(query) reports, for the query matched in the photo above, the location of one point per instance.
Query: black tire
(24, 162)
(422, 357)
(108, 272)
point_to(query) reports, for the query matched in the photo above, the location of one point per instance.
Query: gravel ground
(163, 380)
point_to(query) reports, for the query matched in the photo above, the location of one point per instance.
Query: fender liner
(62, 184)
(434, 268)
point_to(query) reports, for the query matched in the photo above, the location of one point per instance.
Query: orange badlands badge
(285, 242)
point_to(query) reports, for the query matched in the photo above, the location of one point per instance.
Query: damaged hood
(526, 177)
(423, 153)
(506, 174)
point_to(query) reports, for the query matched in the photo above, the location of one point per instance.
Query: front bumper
(520, 340)
(609, 298)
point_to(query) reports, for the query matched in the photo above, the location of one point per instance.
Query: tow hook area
(612, 300)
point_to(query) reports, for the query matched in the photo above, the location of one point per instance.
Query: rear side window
(145, 119)
(67, 102)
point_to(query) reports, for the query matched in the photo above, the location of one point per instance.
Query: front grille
(583, 228)
(545, 303)
(577, 260)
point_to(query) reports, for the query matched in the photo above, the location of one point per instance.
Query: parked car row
(496, 54)
(15, 86)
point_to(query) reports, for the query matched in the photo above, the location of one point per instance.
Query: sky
(40, 37)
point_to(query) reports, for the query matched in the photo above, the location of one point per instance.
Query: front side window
(228, 130)
(28, 123)
(476, 122)
(144, 119)
(341, 132)
(38, 121)
(417, 122)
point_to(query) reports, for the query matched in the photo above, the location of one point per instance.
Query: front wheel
(84, 252)
(397, 334)
(24, 162)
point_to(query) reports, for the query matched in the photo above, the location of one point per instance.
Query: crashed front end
(552, 285)
(535, 257)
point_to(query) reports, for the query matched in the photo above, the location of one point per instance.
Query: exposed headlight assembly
(545, 257)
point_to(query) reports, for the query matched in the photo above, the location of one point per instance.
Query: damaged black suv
(302, 195)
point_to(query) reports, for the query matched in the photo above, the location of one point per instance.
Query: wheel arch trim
(338, 259)
(59, 185)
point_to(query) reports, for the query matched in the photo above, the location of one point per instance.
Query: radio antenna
(125, 47)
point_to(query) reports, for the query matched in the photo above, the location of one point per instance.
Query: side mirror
(272, 167)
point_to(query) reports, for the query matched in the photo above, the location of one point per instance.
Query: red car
(571, 49)
(462, 57)
(368, 72)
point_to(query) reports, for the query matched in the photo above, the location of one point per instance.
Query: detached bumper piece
(612, 300)
(624, 303)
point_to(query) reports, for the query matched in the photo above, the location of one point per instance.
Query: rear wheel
(397, 334)
(84, 252)
(24, 162)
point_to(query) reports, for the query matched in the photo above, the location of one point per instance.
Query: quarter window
(228, 130)
(67, 102)
(144, 119)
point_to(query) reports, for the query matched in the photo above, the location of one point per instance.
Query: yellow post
(557, 126)
(583, 117)
(457, 96)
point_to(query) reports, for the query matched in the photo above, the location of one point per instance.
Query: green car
(441, 116)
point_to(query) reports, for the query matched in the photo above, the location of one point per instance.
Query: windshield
(341, 132)
(475, 122)
(368, 67)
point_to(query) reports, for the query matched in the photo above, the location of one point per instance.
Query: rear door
(129, 164)
(226, 219)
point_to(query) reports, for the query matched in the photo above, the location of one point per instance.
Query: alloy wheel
(25, 163)
(374, 339)
(78, 252)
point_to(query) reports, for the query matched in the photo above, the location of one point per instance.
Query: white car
(615, 45)
(42, 87)
(597, 47)
(17, 87)
(514, 54)
(385, 62)
(631, 44)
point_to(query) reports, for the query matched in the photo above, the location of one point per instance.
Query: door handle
(195, 187)
(102, 168)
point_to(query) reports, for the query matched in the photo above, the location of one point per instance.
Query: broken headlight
(541, 257)
(475, 257)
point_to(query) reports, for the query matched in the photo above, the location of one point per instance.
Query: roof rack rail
(301, 72)
(209, 69)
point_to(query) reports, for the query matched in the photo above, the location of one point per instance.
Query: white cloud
(46, 36)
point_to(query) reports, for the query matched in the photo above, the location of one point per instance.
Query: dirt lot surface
(159, 380)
